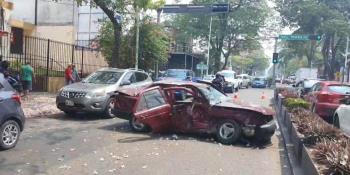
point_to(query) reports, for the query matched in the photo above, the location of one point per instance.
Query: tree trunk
(325, 53)
(115, 53)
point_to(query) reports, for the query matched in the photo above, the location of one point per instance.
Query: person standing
(27, 75)
(68, 75)
(76, 76)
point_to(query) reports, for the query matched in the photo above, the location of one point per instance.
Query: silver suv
(93, 94)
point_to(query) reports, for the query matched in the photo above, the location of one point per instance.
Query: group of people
(71, 74)
(23, 81)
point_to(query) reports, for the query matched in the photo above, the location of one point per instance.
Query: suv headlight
(96, 94)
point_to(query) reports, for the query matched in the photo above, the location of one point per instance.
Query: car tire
(236, 89)
(336, 121)
(9, 133)
(136, 126)
(109, 108)
(228, 132)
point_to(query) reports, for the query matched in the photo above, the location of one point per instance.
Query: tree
(255, 61)
(231, 32)
(154, 44)
(317, 17)
(113, 8)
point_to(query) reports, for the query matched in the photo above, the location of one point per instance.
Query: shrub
(334, 156)
(313, 127)
(292, 103)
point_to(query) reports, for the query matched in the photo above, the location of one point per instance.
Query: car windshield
(341, 89)
(228, 74)
(213, 95)
(259, 79)
(176, 73)
(103, 77)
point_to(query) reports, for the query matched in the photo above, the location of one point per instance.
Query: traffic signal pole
(273, 84)
(210, 24)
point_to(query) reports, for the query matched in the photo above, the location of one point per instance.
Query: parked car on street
(325, 97)
(93, 93)
(341, 117)
(179, 74)
(259, 82)
(245, 80)
(208, 78)
(188, 107)
(12, 118)
(303, 87)
(232, 83)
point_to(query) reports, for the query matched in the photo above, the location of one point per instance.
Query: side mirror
(125, 82)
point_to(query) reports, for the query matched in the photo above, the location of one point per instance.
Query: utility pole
(274, 66)
(210, 24)
(345, 70)
(137, 38)
(159, 11)
(36, 13)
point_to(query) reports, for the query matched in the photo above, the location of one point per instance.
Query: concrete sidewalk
(39, 104)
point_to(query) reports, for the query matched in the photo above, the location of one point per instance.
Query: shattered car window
(213, 95)
(154, 99)
(142, 104)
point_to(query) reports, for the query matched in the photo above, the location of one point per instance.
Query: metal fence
(50, 58)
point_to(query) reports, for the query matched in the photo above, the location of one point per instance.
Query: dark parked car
(11, 115)
(259, 83)
(325, 97)
(188, 107)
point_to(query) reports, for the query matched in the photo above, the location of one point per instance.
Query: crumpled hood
(257, 108)
(85, 87)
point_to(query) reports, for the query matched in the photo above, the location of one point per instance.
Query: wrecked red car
(188, 107)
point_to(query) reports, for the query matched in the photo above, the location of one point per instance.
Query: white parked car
(208, 78)
(232, 83)
(341, 117)
(244, 80)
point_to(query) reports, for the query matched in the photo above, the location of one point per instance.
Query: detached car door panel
(153, 110)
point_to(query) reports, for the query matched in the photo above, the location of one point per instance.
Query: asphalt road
(92, 145)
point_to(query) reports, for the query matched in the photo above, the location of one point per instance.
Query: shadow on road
(123, 127)
(78, 117)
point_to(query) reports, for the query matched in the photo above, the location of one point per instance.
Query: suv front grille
(68, 94)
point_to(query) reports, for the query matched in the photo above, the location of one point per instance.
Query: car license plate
(69, 103)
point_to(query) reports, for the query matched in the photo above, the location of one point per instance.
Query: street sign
(202, 66)
(300, 37)
(220, 8)
(196, 8)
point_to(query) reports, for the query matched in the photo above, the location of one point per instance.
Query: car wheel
(109, 109)
(137, 126)
(228, 132)
(336, 121)
(236, 89)
(9, 132)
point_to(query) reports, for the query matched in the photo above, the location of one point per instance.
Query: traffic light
(220, 8)
(315, 37)
(275, 58)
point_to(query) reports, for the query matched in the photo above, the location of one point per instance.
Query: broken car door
(153, 110)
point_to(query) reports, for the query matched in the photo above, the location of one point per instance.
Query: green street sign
(300, 37)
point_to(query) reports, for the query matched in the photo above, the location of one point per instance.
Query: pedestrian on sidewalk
(68, 75)
(76, 76)
(27, 75)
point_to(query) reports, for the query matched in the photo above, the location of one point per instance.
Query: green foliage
(255, 61)
(292, 103)
(154, 44)
(327, 18)
(231, 33)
